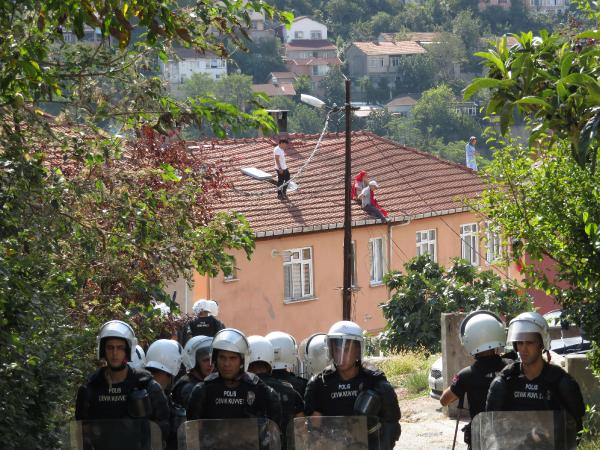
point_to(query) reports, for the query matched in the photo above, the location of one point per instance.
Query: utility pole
(347, 289)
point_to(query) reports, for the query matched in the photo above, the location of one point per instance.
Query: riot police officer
(482, 334)
(204, 324)
(163, 361)
(260, 362)
(196, 359)
(314, 354)
(231, 392)
(286, 358)
(347, 386)
(533, 384)
(118, 391)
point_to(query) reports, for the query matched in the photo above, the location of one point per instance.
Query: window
(354, 282)
(298, 34)
(469, 243)
(297, 274)
(493, 244)
(213, 64)
(426, 243)
(315, 34)
(377, 260)
(375, 62)
(395, 61)
(233, 275)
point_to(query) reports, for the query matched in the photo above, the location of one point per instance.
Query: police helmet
(339, 334)
(200, 305)
(315, 354)
(231, 340)
(481, 331)
(261, 349)
(116, 329)
(285, 349)
(139, 358)
(196, 348)
(528, 322)
(165, 355)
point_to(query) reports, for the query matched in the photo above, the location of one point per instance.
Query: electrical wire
(297, 174)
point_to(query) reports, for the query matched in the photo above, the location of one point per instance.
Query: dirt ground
(425, 427)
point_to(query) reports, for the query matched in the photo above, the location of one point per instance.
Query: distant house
(188, 62)
(304, 28)
(311, 57)
(259, 29)
(292, 282)
(421, 38)
(275, 89)
(401, 105)
(379, 59)
(282, 77)
(548, 6)
(467, 108)
(483, 4)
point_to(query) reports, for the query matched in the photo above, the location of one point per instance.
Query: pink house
(292, 281)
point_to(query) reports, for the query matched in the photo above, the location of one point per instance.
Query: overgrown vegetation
(426, 290)
(409, 370)
(546, 193)
(92, 222)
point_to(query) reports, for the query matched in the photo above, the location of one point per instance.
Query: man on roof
(369, 203)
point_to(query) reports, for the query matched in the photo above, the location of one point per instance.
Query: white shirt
(365, 196)
(278, 151)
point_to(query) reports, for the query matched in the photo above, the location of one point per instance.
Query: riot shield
(523, 430)
(229, 434)
(333, 433)
(117, 434)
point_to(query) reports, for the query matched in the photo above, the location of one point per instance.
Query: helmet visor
(344, 351)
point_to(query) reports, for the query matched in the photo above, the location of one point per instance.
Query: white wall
(304, 26)
(182, 70)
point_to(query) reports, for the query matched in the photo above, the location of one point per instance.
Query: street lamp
(347, 283)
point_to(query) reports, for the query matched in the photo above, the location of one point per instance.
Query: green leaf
(586, 216)
(163, 56)
(530, 100)
(484, 83)
(495, 59)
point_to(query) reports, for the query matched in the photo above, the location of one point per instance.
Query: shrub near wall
(426, 290)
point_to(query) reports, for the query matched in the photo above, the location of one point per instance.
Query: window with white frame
(233, 275)
(493, 244)
(377, 256)
(469, 243)
(395, 61)
(375, 62)
(298, 34)
(298, 274)
(316, 34)
(426, 243)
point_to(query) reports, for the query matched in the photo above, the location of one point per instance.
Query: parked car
(436, 380)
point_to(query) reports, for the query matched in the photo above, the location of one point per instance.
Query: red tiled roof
(390, 48)
(412, 183)
(418, 36)
(309, 44)
(406, 100)
(273, 90)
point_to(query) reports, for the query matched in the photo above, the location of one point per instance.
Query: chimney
(280, 118)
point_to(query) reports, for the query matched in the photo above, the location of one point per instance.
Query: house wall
(305, 26)
(357, 62)
(179, 71)
(254, 301)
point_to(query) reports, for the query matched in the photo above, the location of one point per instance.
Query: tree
(426, 290)
(468, 27)
(415, 73)
(261, 58)
(333, 86)
(199, 85)
(93, 223)
(305, 119)
(546, 194)
(436, 117)
(445, 55)
(302, 85)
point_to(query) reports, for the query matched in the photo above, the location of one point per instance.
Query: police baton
(458, 409)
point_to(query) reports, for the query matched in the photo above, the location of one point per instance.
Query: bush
(427, 290)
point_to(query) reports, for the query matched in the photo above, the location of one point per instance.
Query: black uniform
(291, 402)
(553, 389)
(298, 383)
(204, 326)
(182, 389)
(96, 400)
(328, 394)
(250, 399)
(475, 381)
